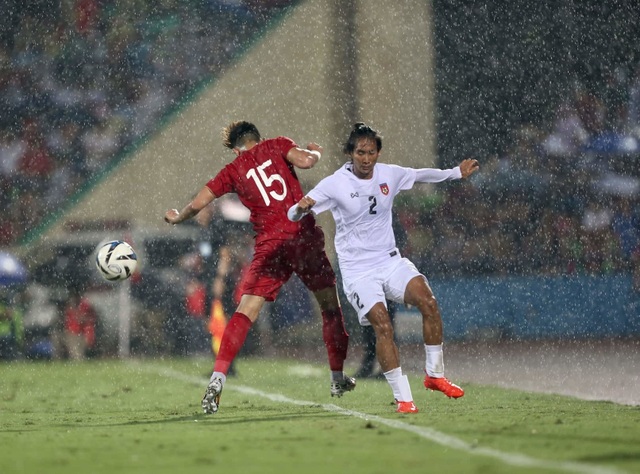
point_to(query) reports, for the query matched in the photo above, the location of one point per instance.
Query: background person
(360, 196)
(227, 246)
(11, 328)
(80, 323)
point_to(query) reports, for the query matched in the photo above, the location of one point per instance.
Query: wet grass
(277, 417)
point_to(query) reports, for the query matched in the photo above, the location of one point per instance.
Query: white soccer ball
(116, 260)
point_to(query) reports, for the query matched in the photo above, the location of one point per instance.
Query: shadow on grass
(239, 417)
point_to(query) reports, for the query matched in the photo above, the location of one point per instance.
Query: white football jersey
(362, 210)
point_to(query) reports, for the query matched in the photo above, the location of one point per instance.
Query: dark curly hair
(236, 134)
(361, 130)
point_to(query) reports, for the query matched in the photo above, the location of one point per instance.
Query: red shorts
(274, 261)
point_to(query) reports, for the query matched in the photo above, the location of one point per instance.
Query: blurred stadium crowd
(562, 200)
(82, 80)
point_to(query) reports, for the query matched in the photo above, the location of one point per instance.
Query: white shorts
(384, 283)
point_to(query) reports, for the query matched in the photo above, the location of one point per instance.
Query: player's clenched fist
(468, 167)
(305, 204)
(171, 215)
(298, 211)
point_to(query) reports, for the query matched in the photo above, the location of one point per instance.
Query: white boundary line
(519, 460)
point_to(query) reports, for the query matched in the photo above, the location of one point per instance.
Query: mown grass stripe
(512, 459)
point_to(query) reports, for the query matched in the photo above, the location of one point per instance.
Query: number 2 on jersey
(264, 181)
(374, 203)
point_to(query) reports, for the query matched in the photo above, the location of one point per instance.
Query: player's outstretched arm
(305, 158)
(204, 197)
(468, 167)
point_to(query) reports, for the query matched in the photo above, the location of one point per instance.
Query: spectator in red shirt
(37, 164)
(80, 321)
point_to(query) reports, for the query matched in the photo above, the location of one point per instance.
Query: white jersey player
(360, 196)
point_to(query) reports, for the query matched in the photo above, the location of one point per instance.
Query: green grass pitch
(276, 416)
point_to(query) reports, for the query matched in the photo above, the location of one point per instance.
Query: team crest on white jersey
(384, 188)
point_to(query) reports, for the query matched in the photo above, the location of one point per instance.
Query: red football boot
(442, 384)
(406, 407)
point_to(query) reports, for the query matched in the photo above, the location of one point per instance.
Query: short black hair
(361, 130)
(236, 134)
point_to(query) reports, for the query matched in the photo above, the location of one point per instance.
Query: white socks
(434, 364)
(219, 375)
(399, 385)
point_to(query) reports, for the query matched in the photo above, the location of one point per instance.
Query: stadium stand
(81, 81)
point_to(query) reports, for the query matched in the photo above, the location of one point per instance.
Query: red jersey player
(264, 178)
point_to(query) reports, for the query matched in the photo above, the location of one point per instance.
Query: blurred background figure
(13, 277)
(194, 339)
(226, 247)
(11, 329)
(80, 325)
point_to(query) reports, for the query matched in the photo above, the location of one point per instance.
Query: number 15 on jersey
(264, 181)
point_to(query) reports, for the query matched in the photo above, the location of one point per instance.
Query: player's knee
(429, 306)
(384, 330)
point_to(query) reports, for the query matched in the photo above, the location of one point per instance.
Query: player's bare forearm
(202, 199)
(314, 157)
(173, 216)
(316, 149)
(468, 167)
(305, 158)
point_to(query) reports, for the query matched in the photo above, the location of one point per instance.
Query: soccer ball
(116, 260)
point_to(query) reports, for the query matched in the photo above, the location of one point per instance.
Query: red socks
(335, 337)
(232, 340)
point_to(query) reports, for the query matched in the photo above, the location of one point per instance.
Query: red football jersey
(267, 185)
